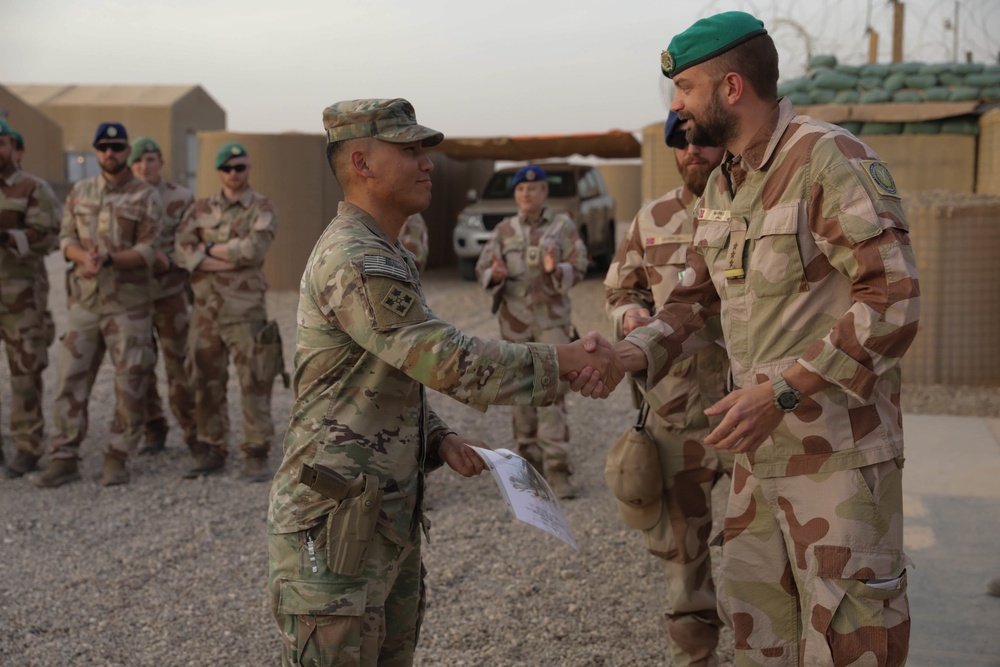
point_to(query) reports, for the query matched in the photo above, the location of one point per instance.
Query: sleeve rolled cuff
(839, 368)
(545, 364)
(657, 358)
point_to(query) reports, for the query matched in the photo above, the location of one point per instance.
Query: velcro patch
(393, 304)
(380, 265)
(399, 300)
(879, 174)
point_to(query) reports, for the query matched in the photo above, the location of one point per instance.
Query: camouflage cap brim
(387, 120)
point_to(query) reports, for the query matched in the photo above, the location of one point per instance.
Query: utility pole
(897, 30)
(872, 46)
(954, 44)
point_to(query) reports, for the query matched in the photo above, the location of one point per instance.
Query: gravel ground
(168, 572)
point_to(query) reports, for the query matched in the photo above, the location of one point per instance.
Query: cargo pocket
(322, 621)
(775, 262)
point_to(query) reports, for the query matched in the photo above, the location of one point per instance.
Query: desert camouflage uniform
(645, 269)
(535, 307)
(822, 274)
(171, 319)
(229, 312)
(367, 345)
(28, 215)
(109, 311)
(413, 237)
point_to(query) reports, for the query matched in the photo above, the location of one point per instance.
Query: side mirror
(472, 196)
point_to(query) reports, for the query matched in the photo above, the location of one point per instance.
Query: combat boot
(255, 469)
(115, 472)
(58, 472)
(559, 483)
(209, 462)
(23, 463)
(156, 437)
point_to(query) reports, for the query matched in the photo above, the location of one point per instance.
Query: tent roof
(42, 95)
(613, 144)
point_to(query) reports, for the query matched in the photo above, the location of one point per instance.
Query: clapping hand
(591, 366)
(549, 263)
(498, 268)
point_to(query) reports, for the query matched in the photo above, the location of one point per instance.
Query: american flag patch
(380, 265)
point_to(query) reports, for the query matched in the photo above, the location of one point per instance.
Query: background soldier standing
(109, 226)
(170, 304)
(530, 263)
(413, 237)
(222, 241)
(28, 232)
(647, 266)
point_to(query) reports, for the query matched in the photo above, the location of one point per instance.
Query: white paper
(527, 493)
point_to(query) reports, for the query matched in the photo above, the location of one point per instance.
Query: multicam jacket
(246, 228)
(28, 213)
(176, 200)
(809, 261)
(366, 346)
(413, 237)
(646, 267)
(111, 218)
(531, 297)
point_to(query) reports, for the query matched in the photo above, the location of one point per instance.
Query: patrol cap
(228, 151)
(708, 38)
(632, 472)
(392, 120)
(674, 132)
(530, 174)
(110, 131)
(140, 147)
(18, 140)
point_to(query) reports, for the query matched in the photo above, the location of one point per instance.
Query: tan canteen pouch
(350, 529)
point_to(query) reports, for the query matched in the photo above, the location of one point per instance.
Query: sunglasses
(116, 147)
(238, 168)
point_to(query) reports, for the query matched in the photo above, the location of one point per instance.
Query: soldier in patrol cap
(29, 227)
(170, 304)
(222, 241)
(529, 264)
(676, 524)
(109, 227)
(809, 275)
(346, 508)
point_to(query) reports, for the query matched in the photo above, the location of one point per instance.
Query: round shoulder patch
(881, 177)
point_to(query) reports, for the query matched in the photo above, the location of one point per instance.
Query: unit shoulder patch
(880, 177)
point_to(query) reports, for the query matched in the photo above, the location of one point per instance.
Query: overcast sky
(471, 68)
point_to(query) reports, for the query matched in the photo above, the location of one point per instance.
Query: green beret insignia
(666, 62)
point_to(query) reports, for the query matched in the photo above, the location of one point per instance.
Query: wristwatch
(786, 397)
(208, 248)
(108, 261)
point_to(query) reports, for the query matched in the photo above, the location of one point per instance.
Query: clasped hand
(591, 366)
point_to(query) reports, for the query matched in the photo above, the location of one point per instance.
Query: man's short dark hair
(756, 60)
(333, 152)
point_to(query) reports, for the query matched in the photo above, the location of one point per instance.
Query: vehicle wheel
(467, 269)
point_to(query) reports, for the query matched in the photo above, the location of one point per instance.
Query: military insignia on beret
(399, 300)
(881, 178)
(111, 132)
(530, 175)
(666, 62)
(235, 150)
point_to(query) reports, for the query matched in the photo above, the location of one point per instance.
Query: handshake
(592, 365)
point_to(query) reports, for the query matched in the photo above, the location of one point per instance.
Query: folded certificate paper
(527, 493)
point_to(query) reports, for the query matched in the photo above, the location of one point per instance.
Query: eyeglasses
(238, 168)
(116, 147)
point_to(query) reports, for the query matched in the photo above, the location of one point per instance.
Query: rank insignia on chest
(714, 214)
(399, 300)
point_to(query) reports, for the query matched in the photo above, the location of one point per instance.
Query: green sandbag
(908, 95)
(983, 80)
(991, 69)
(966, 68)
(951, 79)
(872, 127)
(784, 88)
(852, 126)
(877, 96)
(803, 85)
(922, 127)
(852, 70)
(823, 61)
(799, 98)
(937, 94)
(964, 94)
(847, 97)
(937, 69)
(894, 82)
(992, 93)
(921, 81)
(835, 80)
(870, 82)
(960, 125)
(905, 68)
(875, 69)
(822, 95)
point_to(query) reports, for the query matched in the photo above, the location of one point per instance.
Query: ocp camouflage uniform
(28, 216)
(229, 312)
(815, 242)
(645, 269)
(535, 307)
(171, 320)
(366, 347)
(413, 237)
(110, 311)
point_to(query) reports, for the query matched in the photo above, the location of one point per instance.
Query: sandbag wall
(955, 238)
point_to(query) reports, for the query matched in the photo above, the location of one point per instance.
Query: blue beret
(530, 173)
(674, 133)
(110, 131)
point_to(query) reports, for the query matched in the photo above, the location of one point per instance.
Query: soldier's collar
(542, 217)
(126, 179)
(244, 200)
(362, 216)
(765, 141)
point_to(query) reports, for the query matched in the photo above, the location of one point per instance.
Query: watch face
(788, 401)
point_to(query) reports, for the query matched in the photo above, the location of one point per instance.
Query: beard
(717, 128)
(113, 166)
(694, 175)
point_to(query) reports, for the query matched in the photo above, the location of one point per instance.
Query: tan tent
(43, 137)
(172, 115)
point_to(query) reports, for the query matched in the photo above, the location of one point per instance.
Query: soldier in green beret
(809, 276)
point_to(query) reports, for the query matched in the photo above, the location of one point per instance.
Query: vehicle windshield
(561, 184)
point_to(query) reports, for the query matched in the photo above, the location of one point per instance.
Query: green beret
(5, 130)
(229, 151)
(707, 39)
(393, 120)
(18, 140)
(140, 147)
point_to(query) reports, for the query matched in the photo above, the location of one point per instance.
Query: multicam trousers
(171, 320)
(331, 620)
(690, 471)
(210, 345)
(23, 332)
(126, 336)
(814, 568)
